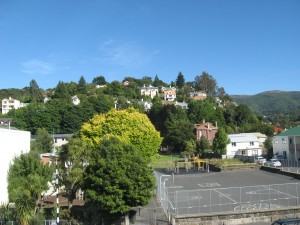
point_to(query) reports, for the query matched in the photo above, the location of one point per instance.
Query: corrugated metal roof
(295, 131)
(242, 138)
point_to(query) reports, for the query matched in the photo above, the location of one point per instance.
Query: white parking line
(226, 196)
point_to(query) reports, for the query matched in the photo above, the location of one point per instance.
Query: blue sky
(248, 46)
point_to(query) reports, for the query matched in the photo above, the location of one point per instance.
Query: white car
(273, 162)
(260, 160)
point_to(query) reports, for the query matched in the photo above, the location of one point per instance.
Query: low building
(13, 143)
(243, 144)
(183, 105)
(287, 143)
(206, 129)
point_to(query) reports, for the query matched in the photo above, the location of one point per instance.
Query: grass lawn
(165, 161)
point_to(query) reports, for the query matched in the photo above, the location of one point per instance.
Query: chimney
(216, 124)
(203, 121)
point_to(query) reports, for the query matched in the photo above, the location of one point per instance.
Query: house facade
(287, 143)
(206, 129)
(169, 93)
(11, 103)
(149, 91)
(75, 100)
(243, 144)
(13, 143)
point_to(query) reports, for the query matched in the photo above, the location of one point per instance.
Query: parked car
(273, 162)
(290, 221)
(260, 160)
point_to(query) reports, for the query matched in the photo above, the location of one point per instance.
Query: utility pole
(57, 191)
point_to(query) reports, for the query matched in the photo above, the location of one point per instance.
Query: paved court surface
(193, 193)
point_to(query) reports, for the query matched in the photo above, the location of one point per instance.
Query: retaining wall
(237, 218)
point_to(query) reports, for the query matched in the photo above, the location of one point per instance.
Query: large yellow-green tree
(129, 125)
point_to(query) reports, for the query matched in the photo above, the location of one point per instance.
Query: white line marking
(221, 194)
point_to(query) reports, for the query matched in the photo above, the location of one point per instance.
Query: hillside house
(11, 103)
(75, 100)
(169, 93)
(207, 129)
(149, 91)
(243, 144)
(261, 138)
(287, 143)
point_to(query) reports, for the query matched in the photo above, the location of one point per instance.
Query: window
(291, 141)
(276, 141)
(283, 141)
(233, 144)
(251, 143)
(243, 152)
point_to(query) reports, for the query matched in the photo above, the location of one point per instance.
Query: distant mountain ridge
(270, 102)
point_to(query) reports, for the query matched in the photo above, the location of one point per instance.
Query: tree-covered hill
(271, 102)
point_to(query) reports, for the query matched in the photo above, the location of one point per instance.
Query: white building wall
(13, 143)
(281, 145)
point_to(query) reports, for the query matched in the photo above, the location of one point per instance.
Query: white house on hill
(13, 143)
(243, 144)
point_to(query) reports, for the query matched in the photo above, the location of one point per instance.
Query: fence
(290, 165)
(234, 199)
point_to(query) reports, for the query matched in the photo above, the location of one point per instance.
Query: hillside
(271, 102)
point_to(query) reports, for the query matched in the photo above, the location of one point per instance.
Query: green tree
(117, 177)
(27, 179)
(180, 81)
(203, 144)
(82, 86)
(129, 125)
(43, 142)
(61, 91)
(100, 80)
(268, 145)
(73, 158)
(206, 83)
(179, 130)
(220, 142)
(36, 94)
(189, 147)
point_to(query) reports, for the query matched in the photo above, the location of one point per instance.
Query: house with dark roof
(206, 129)
(287, 143)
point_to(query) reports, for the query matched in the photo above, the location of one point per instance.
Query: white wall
(13, 143)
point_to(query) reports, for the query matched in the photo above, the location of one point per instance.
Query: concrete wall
(237, 218)
(13, 143)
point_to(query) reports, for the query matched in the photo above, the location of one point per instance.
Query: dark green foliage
(82, 86)
(203, 144)
(268, 145)
(180, 81)
(220, 142)
(179, 130)
(43, 142)
(118, 178)
(36, 94)
(100, 80)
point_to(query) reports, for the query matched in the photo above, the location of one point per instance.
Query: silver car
(273, 162)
